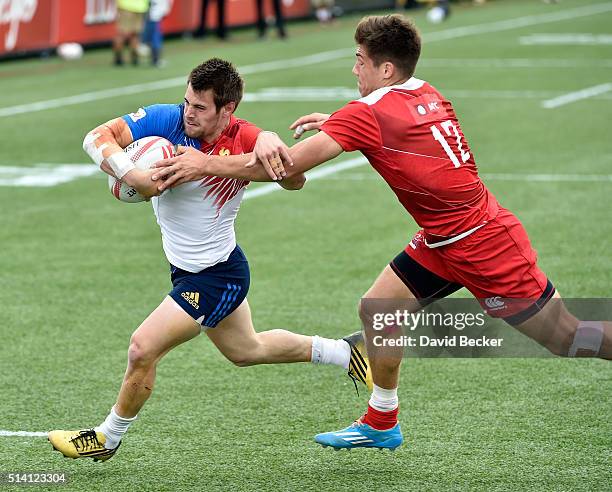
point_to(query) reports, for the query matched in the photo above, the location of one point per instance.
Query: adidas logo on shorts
(192, 298)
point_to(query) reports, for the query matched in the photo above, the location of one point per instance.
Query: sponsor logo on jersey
(224, 151)
(495, 303)
(192, 298)
(138, 115)
(427, 107)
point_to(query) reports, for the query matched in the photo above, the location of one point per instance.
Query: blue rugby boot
(360, 435)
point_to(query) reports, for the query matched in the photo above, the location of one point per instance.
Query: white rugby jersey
(197, 221)
(197, 218)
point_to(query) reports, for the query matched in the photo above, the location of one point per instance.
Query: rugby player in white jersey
(209, 272)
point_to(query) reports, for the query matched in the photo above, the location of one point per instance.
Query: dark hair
(220, 76)
(391, 38)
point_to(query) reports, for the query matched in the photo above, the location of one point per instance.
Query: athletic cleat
(360, 435)
(359, 366)
(86, 443)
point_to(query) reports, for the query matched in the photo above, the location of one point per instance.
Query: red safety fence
(31, 25)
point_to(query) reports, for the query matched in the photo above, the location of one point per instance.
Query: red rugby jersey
(411, 136)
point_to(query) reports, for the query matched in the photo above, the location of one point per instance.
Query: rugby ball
(144, 153)
(70, 51)
(436, 15)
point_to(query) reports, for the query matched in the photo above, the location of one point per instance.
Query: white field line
(298, 94)
(568, 39)
(294, 94)
(512, 63)
(44, 175)
(5, 433)
(577, 96)
(166, 83)
(329, 173)
(530, 20)
(443, 35)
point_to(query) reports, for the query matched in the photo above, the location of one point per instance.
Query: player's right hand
(312, 121)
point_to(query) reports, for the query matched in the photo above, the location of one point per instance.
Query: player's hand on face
(272, 153)
(312, 121)
(188, 164)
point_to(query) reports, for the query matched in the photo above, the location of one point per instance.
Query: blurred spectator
(262, 25)
(324, 10)
(153, 36)
(221, 28)
(406, 4)
(130, 20)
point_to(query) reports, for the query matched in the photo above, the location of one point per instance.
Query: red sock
(380, 420)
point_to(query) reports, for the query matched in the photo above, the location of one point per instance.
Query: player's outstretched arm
(105, 144)
(191, 165)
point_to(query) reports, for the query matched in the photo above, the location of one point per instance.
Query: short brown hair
(220, 76)
(390, 38)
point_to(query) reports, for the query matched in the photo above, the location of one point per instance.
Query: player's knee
(140, 354)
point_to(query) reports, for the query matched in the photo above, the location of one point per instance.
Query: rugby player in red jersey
(411, 136)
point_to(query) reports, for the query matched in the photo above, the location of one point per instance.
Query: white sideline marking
(569, 39)
(436, 36)
(44, 175)
(5, 433)
(577, 96)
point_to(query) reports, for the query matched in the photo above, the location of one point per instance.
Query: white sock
(113, 428)
(384, 400)
(328, 351)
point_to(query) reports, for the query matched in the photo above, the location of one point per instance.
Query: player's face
(369, 76)
(200, 116)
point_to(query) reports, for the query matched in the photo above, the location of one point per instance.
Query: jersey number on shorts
(451, 131)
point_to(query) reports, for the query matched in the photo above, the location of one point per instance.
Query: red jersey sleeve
(354, 127)
(248, 135)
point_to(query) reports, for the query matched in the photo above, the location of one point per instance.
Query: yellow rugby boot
(359, 366)
(86, 443)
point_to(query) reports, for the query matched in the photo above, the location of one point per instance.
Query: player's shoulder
(155, 111)
(239, 123)
(239, 126)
